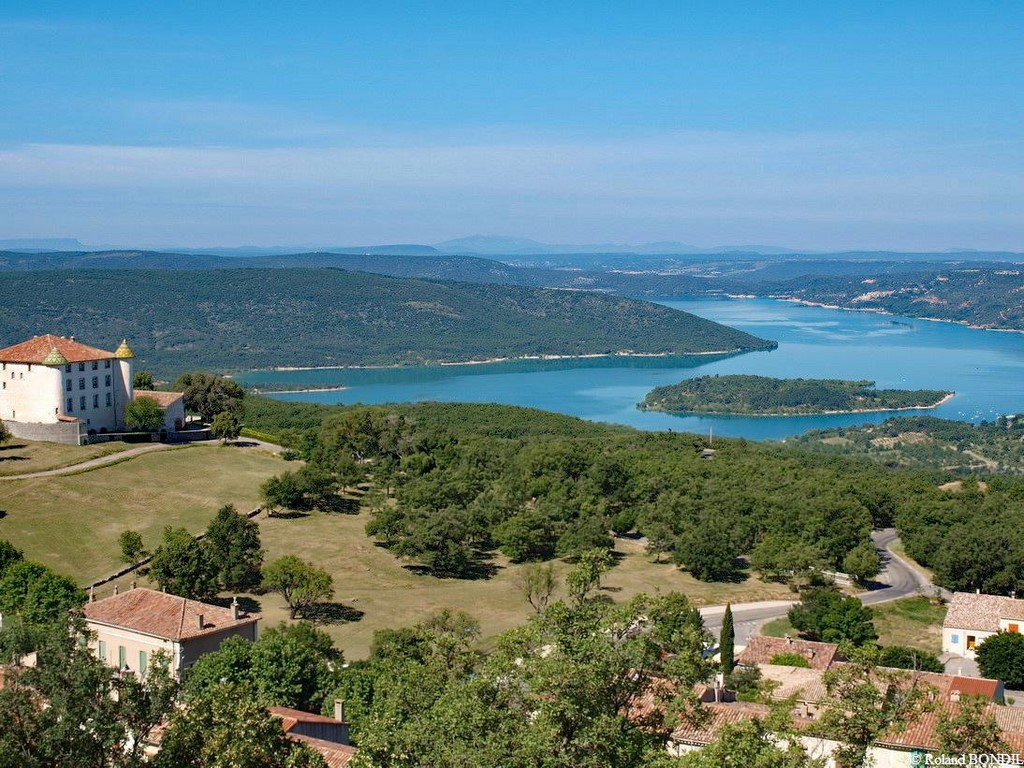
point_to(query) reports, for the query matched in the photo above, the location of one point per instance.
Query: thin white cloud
(816, 190)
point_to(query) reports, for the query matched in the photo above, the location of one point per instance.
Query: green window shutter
(122, 656)
(142, 663)
(102, 652)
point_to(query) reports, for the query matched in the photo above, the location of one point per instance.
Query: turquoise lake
(984, 368)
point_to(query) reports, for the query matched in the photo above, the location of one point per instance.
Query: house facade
(128, 628)
(973, 617)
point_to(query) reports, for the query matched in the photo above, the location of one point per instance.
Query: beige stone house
(130, 627)
(973, 617)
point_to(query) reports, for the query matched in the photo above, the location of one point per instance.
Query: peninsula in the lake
(765, 396)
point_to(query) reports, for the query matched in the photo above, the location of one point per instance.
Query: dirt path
(112, 458)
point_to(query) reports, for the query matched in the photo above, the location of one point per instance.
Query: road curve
(898, 579)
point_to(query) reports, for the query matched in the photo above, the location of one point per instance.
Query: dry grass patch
(913, 621)
(72, 522)
(19, 457)
(370, 579)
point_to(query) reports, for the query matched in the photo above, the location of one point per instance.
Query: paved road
(898, 579)
(111, 458)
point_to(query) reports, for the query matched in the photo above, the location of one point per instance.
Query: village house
(60, 390)
(973, 617)
(899, 747)
(128, 628)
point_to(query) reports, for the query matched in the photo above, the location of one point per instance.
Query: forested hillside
(762, 395)
(232, 320)
(987, 297)
(469, 480)
(927, 442)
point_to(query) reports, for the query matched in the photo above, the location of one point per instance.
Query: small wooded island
(765, 396)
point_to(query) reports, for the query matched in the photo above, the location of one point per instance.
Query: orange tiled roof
(335, 755)
(761, 649)
(38, 348)
(290, 717)
(718, 716)
(968, 610)
(161, 615)
(163, 399)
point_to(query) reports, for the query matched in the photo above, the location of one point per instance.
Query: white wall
(960, 646)
(30, 392)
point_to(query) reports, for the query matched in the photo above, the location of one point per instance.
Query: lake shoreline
(486, 361)
(875, 311)
(949, 396)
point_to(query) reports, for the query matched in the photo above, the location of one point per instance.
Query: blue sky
(815, 125)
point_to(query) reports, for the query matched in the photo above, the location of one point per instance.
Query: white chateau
(58, 389)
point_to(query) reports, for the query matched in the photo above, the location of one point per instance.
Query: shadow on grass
(246, 603)
(12, 447)
(332, 613)
(341, 505)
(288, 514)
(13, 458)
(480, 569)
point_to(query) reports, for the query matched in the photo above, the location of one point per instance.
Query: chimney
(134, 584)
(977, 591)
(201, 622)
(92, 594)
(789, 640)
(115, 590)
(235, 611)
(339, 710)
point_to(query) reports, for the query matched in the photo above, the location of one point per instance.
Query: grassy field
(371, 580)
(912, 621)
(779, 628)
(71, 523)
(19, 457)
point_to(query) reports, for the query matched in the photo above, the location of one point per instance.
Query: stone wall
(67, 432)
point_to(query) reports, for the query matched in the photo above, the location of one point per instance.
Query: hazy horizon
(820, 127)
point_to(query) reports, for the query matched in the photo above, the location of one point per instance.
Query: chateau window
(95, 365)
(106, 363)
(109, 403)
(68, 385)
(102, 651)
(95, 382)
(95, 401)
(71, 404)
(81, 402)
(68, 367)
(21, 375)
(81, 366)
(106, 380)
(81, 383)
(5, 385)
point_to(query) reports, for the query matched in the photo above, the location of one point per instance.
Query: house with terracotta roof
(326, 735)
(128, 628)
(973, 617)
(57, 389)
(898, 747)
(761, 649)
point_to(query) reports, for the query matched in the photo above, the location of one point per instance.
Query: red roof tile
(290, 717)
(718, 716)
(762, 649)
(161, 615)
(163, 399)
(335, 755)
(37, 349)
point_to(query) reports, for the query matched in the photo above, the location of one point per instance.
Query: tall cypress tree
(727, 640)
